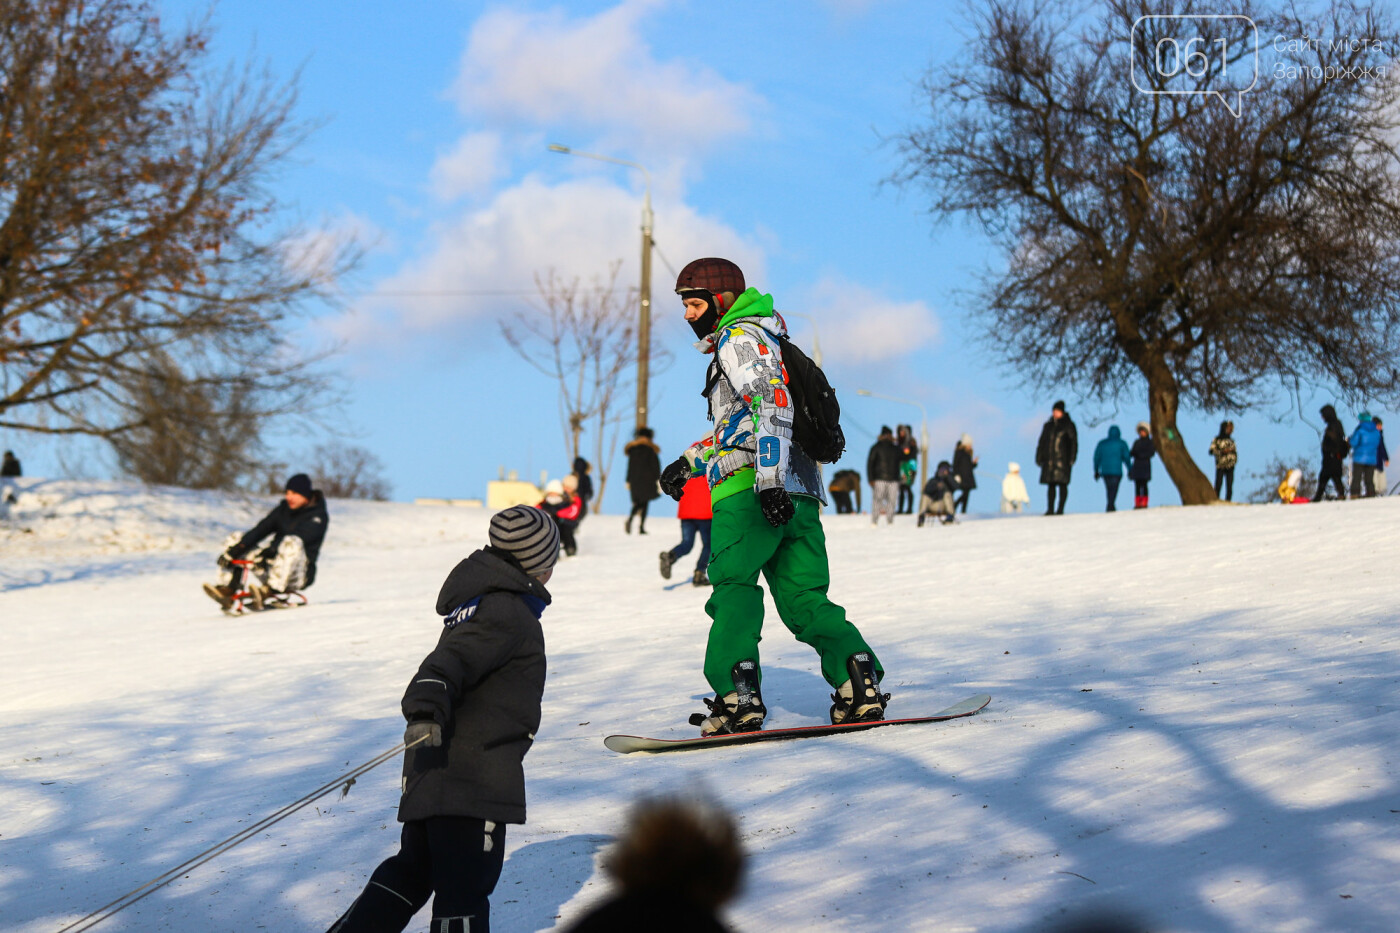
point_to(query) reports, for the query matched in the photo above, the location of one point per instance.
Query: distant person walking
(964, 467)
(882, 470)
(696, 515)
(1055, 455)
(9, 472)
(1014, 495)
(908, 467)
(843, 484)
(1334, 453)
(1223, 450)
(1141, 470)
(1365, 444)
(643, 473)
(585, 486)
(1110, 457)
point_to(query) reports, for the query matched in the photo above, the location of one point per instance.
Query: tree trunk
(1163, 400)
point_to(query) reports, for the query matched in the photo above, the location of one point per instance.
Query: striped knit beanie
(528, 535)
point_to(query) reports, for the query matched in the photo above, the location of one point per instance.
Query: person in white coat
(1013, 490)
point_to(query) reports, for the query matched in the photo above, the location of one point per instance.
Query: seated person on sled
(288, 563)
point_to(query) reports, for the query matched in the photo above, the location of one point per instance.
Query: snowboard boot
(859, 699)
(223, 595)
(739, 711)
(666, 561)
(700, 578)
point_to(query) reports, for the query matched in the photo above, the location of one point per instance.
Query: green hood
(752, 303)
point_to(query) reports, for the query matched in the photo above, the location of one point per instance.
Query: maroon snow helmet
(718, 282)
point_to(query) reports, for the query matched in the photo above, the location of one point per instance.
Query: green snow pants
(793, 561)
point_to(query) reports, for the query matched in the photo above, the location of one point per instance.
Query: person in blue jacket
(1141, 470)
(1110, 456)
(1365, 454)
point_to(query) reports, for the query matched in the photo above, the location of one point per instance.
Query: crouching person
(297, 526)
(937, 499)
(472, 711)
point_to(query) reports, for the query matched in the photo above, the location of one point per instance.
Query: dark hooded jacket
(1057, 450)
(1334, 438)
(643, 469)
(1143, 451)
(11, 466)
(483, 684)
(308, 523)
(884, 460)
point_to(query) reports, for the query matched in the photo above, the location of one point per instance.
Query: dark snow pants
(1331, 470)
(454, 859)
(690, 527)
(1363, 480)
(1110, 486)
(1051, 508)
(1227, 476)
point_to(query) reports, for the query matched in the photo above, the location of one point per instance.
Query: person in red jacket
(565, 508)
(695, 514)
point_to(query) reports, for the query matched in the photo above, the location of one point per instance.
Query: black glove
(776, 505)
(674, 478)
(225, 561)
(419, 728)
(1096, 475)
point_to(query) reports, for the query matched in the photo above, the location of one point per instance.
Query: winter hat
(715, 281)
(527, 534)
(300, 484)
(554, 486)
(966, 441)
(1058, 406)
(1144, 426)
(885, 429)
(1013, 467)
(1364, 416)
(644, 432)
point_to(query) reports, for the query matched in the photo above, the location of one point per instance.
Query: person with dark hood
(643, 471)
(767, 494)
(675, 866)
(964, 471)
(1055, 455)
(9, 472)
(287, 564)
(1334, 453)
(882, 470)
(585, 485)
(472, 709)
(1222, 448)
(1110, 456)
(937, 497)
(1141, 470)
(908, 467)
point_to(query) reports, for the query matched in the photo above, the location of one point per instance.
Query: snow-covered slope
(1194, 719)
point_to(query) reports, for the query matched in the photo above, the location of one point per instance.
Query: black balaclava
(705, 325)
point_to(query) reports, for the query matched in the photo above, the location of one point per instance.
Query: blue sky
(763, 127)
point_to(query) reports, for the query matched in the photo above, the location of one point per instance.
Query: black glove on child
(776, 505)
(674, 478)
(420, 728)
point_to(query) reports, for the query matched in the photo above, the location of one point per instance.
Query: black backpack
(816, 422)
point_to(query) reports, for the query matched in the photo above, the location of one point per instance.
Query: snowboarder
(1141, 470)
(1055, 455)
(472, 710)
(964, 467)
(937, 498)
(1365, 444)
(1334, 453)
(1014, 496)
(1110, 456)
(908, 467)
(695, 514)
(843, 484)
(643, 471)
(676, 865)
(297, 526)
(1223, 450)
(767, 496)
(564, 507)
(882, 468)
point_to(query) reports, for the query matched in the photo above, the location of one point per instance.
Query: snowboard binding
(859, 699)
(739, 711)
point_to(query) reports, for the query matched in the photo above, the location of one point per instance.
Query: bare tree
(1153, 238)
(136, 249)
(585, 339)
(346, 471)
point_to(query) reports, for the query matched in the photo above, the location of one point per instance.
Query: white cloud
(597, 74)
(873, 327)
(470, 168)
(316, 252)
(577, 227)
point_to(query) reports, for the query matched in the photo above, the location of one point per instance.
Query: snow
(1193, 719)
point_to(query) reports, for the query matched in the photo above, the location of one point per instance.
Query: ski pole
(160, 881)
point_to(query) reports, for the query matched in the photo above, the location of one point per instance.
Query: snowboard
(627, 744)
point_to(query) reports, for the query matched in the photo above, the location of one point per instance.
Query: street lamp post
(923, 431)
(644, 310)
